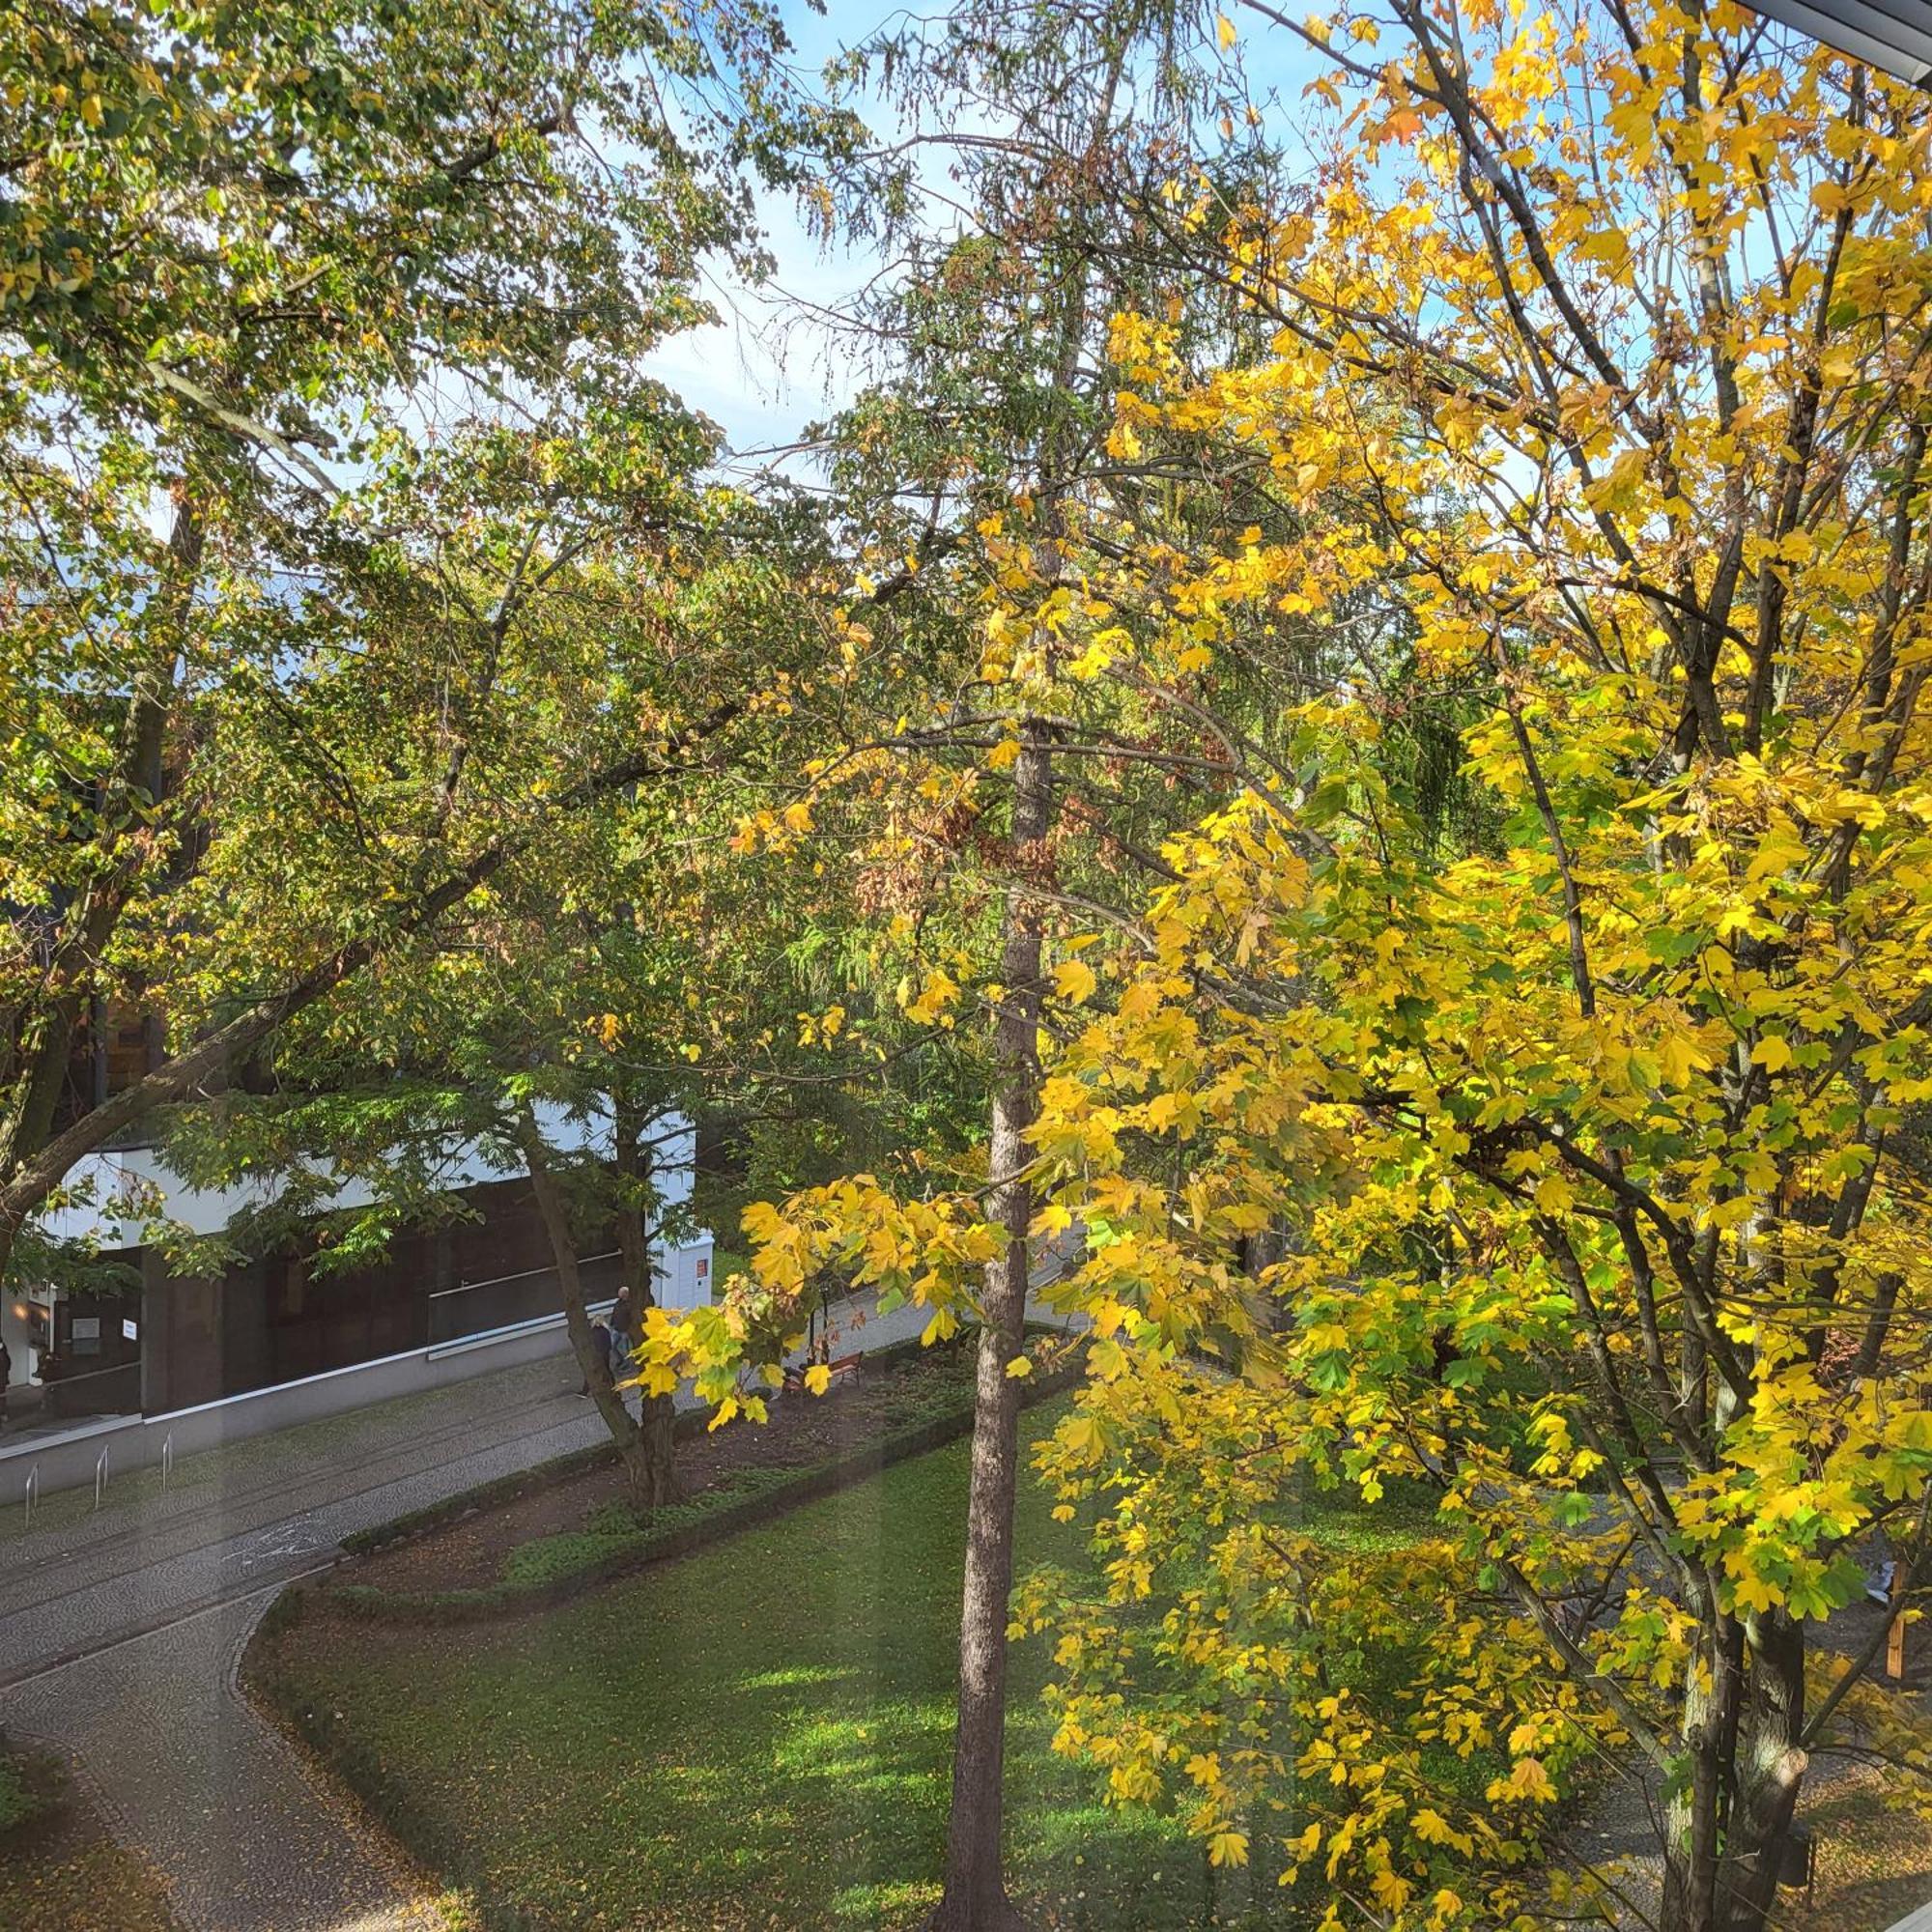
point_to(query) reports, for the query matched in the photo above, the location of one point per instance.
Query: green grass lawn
(756, 1736)
(18, 1801)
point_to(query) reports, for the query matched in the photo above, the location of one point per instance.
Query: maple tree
(1597, 376)
(1584, 1135)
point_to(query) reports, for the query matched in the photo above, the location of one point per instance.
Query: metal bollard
(99, 1478)
(167, 1460)
(33, 1492)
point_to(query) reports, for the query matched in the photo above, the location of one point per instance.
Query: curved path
(121, 1632)
(186, 1773)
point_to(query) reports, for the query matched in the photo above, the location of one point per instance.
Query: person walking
(5, 1376)
(623, 1335)
(623, 1325)
(600, 1351)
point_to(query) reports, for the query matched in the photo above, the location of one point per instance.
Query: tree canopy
(1591, 421)
(1351, 686)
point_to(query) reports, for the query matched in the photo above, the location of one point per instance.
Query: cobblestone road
(186, 1773)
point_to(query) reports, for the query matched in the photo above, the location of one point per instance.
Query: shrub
(18, 1800)
(546, 1559)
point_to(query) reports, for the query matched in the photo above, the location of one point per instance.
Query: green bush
(546, 1559)
(541, 1475)
(614, 1519)
(18, 1800)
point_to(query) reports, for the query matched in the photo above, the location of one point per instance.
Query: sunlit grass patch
(757, 1735)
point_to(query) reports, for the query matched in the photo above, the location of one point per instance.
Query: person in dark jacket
(623, 1326)
(5, 1376)
(600, 1351)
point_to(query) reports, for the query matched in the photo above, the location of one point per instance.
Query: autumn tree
(997, 776)
(972, 468)
(1596, 378)
(604, 971)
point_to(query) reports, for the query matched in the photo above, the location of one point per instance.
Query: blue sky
(767, 369)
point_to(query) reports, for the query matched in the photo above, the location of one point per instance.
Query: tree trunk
(1722, 1862)
(1871, 1349)
(657, 1440)
(1769, 1767)
(39, 1048)
(29, 1120)
(975, 1897)
(554, 1214)
(1691, 1818)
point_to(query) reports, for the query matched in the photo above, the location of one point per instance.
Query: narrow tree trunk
(1770, 1766)
(1690, 1817)
(975, 1897)
(657, 1440)
(27, 1121)
(554, 1214)
(1878, 1326)
(38, 1049)
(1722, 1862)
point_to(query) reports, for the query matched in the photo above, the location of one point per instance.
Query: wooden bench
(845, 1365)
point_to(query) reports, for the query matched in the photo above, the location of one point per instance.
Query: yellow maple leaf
(1073, 979)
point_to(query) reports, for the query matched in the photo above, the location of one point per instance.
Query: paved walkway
(186, 1773)
(121, 1632)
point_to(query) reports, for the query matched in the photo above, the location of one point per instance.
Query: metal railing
(528, 1274)
(501, 1301)
(58, 1397)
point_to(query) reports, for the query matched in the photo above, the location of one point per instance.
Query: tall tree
(603, 963)
(1599, 387)
(1021, 778)
(257, 264)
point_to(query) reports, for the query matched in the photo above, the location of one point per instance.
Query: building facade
(457, 1298)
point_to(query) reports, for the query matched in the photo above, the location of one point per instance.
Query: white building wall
(105, 1184)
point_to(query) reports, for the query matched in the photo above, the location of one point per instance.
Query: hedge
(573, 1564)
(521, 1483)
